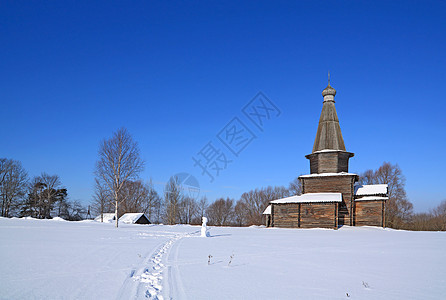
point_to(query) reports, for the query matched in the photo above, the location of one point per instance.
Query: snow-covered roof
(371, 198)
(267, 210)
(371, 189)
(131, 218)
(310, 198)
(328, 174)
(108, 217)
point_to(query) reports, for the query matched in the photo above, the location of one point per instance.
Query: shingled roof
(328, 134)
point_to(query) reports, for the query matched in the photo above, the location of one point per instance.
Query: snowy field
(49, 259)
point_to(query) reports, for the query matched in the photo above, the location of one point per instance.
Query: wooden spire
(329, 134)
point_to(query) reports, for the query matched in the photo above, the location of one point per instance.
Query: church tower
(329, 154)
(329, 160)
(329, 196)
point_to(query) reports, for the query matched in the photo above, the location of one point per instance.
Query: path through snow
(147, 280)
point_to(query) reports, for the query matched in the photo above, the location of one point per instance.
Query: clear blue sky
(174, 74)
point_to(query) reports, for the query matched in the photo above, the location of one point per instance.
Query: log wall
(343, 158)
(329, 162)
(285, 215)
(334, 184)
(305, 215)
(370, 213)
(318, 215)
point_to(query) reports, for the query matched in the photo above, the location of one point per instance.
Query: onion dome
(329, 90)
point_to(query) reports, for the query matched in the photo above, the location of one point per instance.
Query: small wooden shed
(370, 204)
(134, 218)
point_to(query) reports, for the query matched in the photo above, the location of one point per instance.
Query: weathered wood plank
(369, 213)
(305, 215)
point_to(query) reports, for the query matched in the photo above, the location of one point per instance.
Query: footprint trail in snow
(152, 276)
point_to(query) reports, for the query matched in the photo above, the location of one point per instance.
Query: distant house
(107, 217)
(134, 218)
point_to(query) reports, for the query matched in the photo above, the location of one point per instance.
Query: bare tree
(202, 206)
(368, 177)
(422, 222)
(440, 210)
(32, 205)
(221, 212)
(102, 199)
(398, 208)
(257, 200)
(119, 162)
(151, 201)
(295, 187)
(172, 197)
(134, 195)
(137, 197)
(439, 214)
(158, 209)
(60, 198)
(76, 211)
(14, 180)
(44, 193)
(435, 220)
(254, 203)
(188, 210)
(240, 213)
(52, 189)
(5, 164)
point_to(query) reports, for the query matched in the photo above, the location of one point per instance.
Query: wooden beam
(384, 214)
(298, 219)
(272, 215)
(336, 215)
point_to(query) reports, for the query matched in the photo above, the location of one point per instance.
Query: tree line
(41, 196)
(119, 189)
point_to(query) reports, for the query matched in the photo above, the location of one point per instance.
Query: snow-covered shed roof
(108, 217)
(371, 198)
(370, 189)
(267, 210)
(131, 218)
(310, 198)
